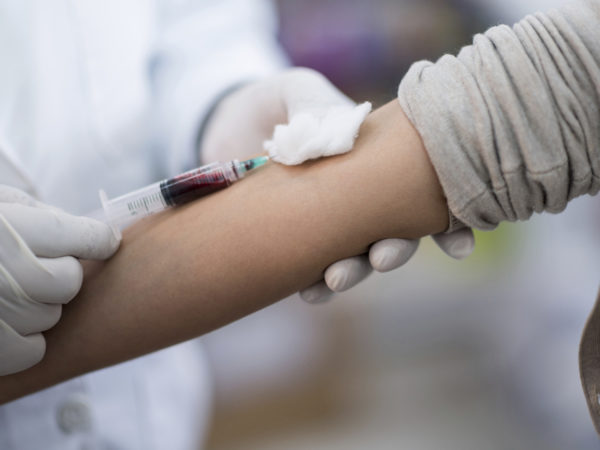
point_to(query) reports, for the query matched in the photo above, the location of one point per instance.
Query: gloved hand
(383, 256)
(39, 271)
(302, 99)
(247, 117)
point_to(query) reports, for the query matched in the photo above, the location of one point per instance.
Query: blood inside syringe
(205, 180)
(191, 186)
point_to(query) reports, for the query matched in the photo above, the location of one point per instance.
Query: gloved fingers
(321, 120)
(295, 115)
(19, 352)
(20, 311)
(55, 280)
(459, 244)
(252, 110)
(389, 254)
(344, 274)
(255, 109)
(9, 194)
(50, 280)
(308, 91)
(317, 293)
(52, 233)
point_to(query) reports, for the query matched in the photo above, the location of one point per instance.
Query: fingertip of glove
(109, 243)
(463, 246)
(38, 344)
(74, 280)
(347, 273)
(462, 252)
(384, 260)
(104, 240)
(390, 254)
(317, 293)
(457, 244)
(337, 279)
(26, 352)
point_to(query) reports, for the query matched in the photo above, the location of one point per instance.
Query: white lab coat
(110, 94)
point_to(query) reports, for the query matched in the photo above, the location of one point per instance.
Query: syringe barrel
(198, 183)
(126, 209)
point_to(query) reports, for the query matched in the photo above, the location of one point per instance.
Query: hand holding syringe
(127, 209)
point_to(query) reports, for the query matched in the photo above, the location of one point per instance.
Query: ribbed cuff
(454, 223)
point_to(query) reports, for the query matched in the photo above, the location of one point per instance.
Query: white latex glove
(298, 113)
(383, 256)
(39, 271)
(276, 111)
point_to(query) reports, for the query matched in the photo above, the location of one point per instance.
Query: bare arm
(197, 268)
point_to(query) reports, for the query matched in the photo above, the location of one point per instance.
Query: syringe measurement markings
(145, 203)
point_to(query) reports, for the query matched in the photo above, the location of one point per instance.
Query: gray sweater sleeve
(512, 124)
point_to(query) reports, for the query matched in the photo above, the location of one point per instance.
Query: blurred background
(478, 354)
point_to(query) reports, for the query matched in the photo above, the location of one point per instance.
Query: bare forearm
(197, 268)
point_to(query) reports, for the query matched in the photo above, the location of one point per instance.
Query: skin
(196, 268)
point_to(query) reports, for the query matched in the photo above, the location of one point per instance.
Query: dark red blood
(187, 187)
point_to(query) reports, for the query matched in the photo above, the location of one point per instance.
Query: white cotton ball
(311, 136)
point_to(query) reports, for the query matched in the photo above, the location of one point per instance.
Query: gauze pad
(312, 135)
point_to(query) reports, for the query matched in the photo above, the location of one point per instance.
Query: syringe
(123, 211)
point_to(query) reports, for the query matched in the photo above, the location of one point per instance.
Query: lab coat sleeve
(202, 50)
(512, 123)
